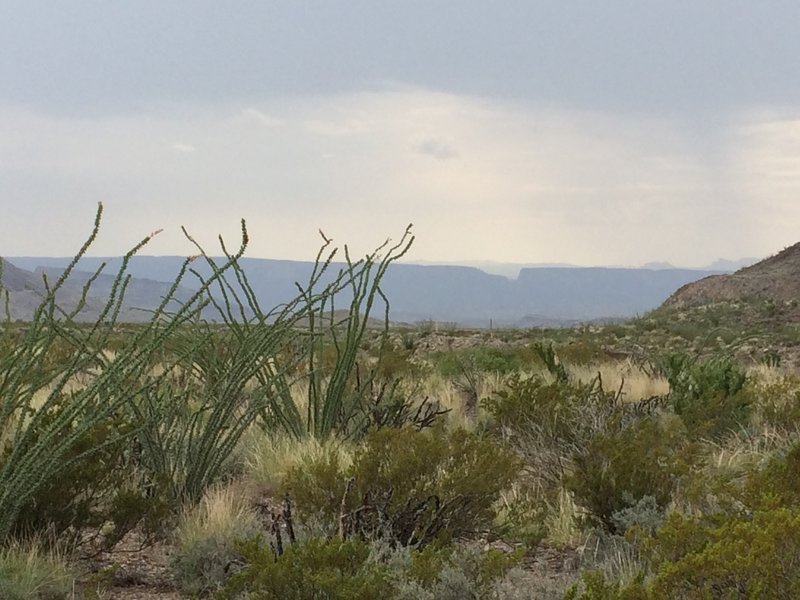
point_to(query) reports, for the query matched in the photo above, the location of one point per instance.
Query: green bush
(89, 493)
(411, 486)
(484, 359)
(710, 396)
(715, 556)
(778, 482)
(451, 573)
(353, 569)
(778, 404)
(594, 586)
(333, 569)
(547, 423)
(619, 468)
(754, 557)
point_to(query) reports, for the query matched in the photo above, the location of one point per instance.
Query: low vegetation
(301, 452)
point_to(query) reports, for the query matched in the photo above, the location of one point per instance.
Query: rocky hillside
(775, 279)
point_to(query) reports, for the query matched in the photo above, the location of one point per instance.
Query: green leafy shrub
(547, 423)
(778, 482)
(484, 359)
(719, 555)
(595, 586)
(450, 572)
(619, 468)
(89, 492)
(778, 404)
(411, 486)
(710, 396)
(334, 569)
(352, 569)
(753, 557)
(521, 516)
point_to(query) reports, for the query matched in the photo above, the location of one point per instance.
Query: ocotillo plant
(193, 378)
(334, 402)
(234, 372)
(44, 412)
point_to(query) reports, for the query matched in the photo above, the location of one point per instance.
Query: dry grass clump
(269, 457)
(29, 573)
(206, 539)
(635, 384)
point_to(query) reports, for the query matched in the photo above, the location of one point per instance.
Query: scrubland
(224, 450)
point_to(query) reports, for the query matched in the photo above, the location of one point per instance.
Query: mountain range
(468, 296)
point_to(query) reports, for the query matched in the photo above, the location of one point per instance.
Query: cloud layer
(481, 179)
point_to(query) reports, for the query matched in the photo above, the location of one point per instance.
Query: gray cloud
(689, 58)
(436, 148)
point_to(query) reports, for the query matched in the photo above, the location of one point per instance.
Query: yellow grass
(636, 385)
(269, 457)
(27, 571)
(221, 513)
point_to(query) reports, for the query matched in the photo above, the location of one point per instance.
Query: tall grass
(27, 572)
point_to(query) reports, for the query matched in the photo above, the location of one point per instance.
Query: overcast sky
(586, 132)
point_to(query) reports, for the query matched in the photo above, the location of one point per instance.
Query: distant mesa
(775, 279)
(542, 296)
(658, 266)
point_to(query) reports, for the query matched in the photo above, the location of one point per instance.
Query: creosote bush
(408, 486)
(334, 569)
(617, 469)
(354, 569)
(710, 396)
(548, 424)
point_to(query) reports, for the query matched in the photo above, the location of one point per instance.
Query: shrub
(102, 493)
(483, 359)
(710, 396)
(352, 569)
(334, 569)
(778, 481)
(73, 499)
(778, 404)
(207, 541)
(594, 586)
(716, 556)
(452, 573)
(753, 557)
(619, 468)
(548, 423)
(411, 486)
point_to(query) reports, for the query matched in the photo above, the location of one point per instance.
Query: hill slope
(775, 279)
(26, 289)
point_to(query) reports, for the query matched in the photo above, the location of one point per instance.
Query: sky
(592, 133)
